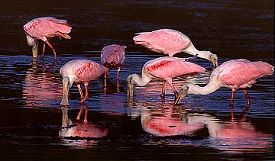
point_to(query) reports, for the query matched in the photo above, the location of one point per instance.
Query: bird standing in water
(113, 56)
(44, 28)
(233, 74)
(165, 68)
(171, 42)
(78, 72)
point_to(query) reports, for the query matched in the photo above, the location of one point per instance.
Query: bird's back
(43, 27)
(169, 67)
(242, 73)
(165, 41)
(82, 70)
(113, 54)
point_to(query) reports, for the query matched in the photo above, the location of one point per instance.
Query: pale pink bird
(79, 71)
(233, 74)
(44, 28)
(165, 68)
(171, 42)
(113, 56)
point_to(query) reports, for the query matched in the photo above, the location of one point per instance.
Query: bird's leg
(163, 90)
(117, 73)
(232, 97)
(65, 99)
(247, 96)
(79, 113)
(43, 51)
(174, 90)
(80, 91)
(85, 121)
(50, 45)
(86, 93)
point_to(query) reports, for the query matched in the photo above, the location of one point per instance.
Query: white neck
(141, 81)
(211, 87)
(193, 51)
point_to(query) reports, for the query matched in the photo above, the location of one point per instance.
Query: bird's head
(181, 94)
(213, 58)
(33, 43)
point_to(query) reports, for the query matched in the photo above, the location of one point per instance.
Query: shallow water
(33, 126)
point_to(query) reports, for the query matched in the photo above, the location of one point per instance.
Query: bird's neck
(211, 87)
(191, 49)
(141, 81)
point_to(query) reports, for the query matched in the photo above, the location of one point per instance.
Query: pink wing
(164, 41)
(169, 67)
(44, 27)
(90, 71)
(243, 73)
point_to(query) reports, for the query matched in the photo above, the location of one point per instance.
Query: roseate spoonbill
(113, 56)
(165, 68)
(234, 74)
(79, 71)
(171, 42)
(44, 28)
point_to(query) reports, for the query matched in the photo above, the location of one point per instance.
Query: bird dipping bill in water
(44, 28)
(171, 42)
(165, 68)
(79, 71)
(113, 56)
(233, 74)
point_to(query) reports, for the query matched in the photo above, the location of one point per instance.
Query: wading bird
(44, 28)
(165, 68)
(171, 42)
(113, 56)
(233, 74)
(79, 71)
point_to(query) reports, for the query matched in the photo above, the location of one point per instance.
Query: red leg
(80, 91)
(163, 89)
(50, 45)
(247, 96)
(79, 113)
(174, 90)
(85, 121)
(86, 93)
(232, 97)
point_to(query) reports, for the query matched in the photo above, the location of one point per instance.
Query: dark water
(200, 128)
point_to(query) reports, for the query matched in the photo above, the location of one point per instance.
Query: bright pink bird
(44, 28)
(165, 68)
(171, 42)
(113, 56)
(234, 74)
(79, 71)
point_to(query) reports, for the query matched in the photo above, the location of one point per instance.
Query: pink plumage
(44, 28)
(165, 68)
(113, 56)
(165, 41)
(171, 42)
(170, 67)
(242, 73)
(233, 74)
(79, 71)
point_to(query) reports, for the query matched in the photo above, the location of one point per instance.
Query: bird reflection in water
(168, 121)
(235, 135)
(78, 129)
(41, 87)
